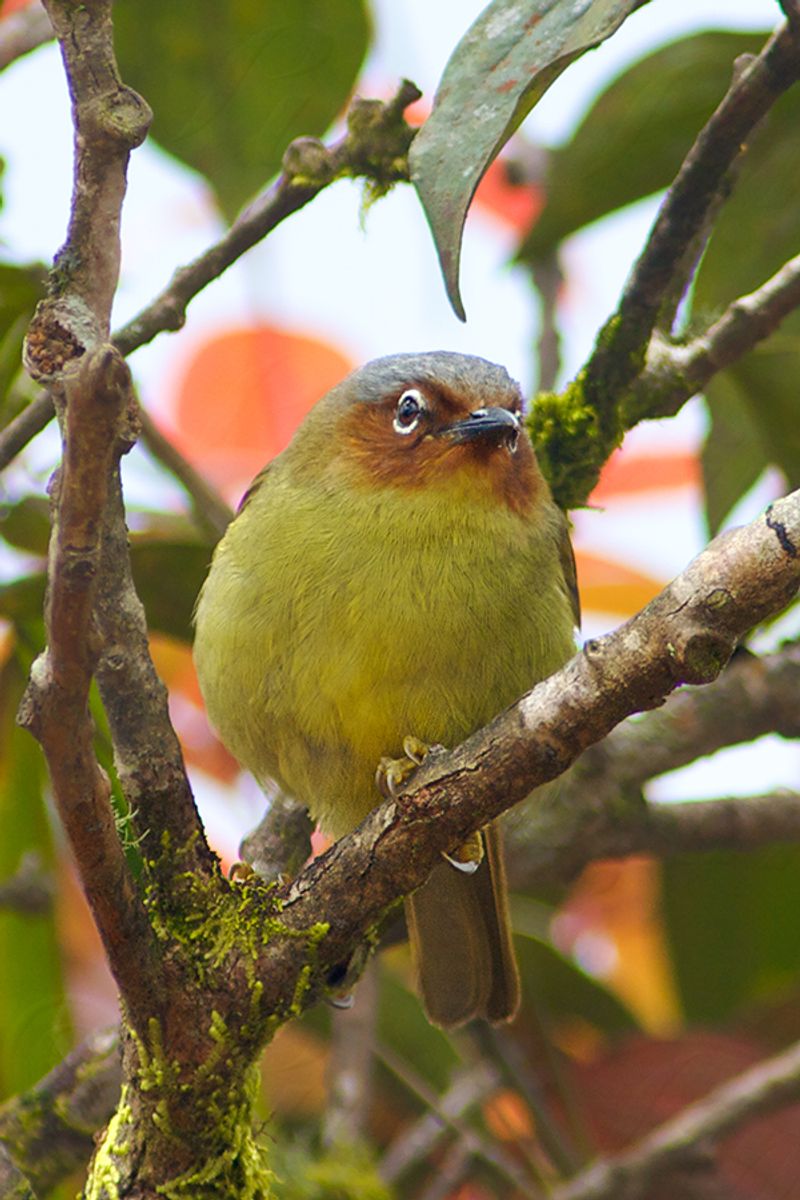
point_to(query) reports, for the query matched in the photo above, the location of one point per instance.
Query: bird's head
(412, 421)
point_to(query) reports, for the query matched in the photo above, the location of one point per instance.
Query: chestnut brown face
(421, 433)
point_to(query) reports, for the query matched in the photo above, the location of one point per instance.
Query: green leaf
(634, 137)
(168, 575)
(26, 524)
(20, 290)
(403, 1026)
(555, 988)
(733, 455)
(733, 941)
(34, 1026)
(22, 600)
(506, 60)
(232, 84)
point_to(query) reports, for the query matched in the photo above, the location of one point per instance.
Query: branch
(211, 512)
(612, 366)
(684, 636)
(55, 706)
(599, 811)
(22, 31)
(70, 328)
(674, 373)
(48, 1131)
(685, 1139)
(586, 423)
(24, 427)
(375, 148)
(110, 120)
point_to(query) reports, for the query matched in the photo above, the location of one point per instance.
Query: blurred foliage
(658, 106)
(643, 123)
(307, 1172)
(20, 288)
(35, 1027)
(764, 414)
(243, 80)
(745, 951)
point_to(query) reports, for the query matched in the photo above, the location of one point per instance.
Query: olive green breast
(336, 621)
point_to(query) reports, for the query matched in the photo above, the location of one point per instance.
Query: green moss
(156, 1072)
(105, 1174)
(569, 444)
(240, 1167)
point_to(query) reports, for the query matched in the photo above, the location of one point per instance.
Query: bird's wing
(567, 556)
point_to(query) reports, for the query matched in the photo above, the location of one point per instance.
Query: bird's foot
(240, 871)
(468, 856)
(394, 773)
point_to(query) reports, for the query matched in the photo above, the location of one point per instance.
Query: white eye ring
(410, 408)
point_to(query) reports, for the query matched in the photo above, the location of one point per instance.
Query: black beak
(495, 426)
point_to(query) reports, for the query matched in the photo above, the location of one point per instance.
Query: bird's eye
(410, 408)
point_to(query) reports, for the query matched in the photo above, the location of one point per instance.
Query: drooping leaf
(634, 137)
(506, 60)
(232, 84)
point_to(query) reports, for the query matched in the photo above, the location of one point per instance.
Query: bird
(392, 580)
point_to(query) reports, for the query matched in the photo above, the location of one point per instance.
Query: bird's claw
(394, 773)
(342, 1002)
(469, 856)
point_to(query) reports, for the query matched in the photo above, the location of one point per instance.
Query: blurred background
(651, 983)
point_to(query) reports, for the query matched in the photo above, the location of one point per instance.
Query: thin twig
(574, 433)
(521, 1074)
(599, 808)
(764, 1088)
(350, 1068)
(469, 1089)
(674, 373)
(211, 512)
(547, 279)
(375, 147)
(281, 842)
(24, 427)
(685, 267)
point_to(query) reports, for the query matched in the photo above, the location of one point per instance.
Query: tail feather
(460, 936)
